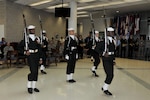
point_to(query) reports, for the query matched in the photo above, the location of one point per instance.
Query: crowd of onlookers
(131, 47)
(55, 48)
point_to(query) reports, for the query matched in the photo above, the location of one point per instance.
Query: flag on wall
(128, 24)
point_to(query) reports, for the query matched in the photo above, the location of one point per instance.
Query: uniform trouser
(33, 61)
(123, 52)
(71, 63)
(44, 58)
(130, 51)
(108, 68)
(80, 52)
(96, 59)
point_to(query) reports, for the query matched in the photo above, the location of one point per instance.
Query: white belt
(111, 53)
(44, 46)
(33, 51)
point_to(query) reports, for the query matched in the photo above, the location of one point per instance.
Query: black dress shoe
(114, 63)
(94, 73)
(36, 90)
(43, 72)
(106, 92)
(30, 90)
(71, 81)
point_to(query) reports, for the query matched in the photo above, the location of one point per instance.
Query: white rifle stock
(105, 33)
(41, 31)
(25, 34)
(93, 29)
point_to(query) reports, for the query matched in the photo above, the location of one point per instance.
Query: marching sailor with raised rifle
(96, 44)
(44, 45)
(71, 54)
(33, 52)
(108, 56)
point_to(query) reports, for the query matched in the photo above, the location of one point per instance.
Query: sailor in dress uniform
(33, 54)
(108, 58)
(44, 46)
(96, 53)
(71, 54)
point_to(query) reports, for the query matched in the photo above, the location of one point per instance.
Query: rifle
(25, 34)
(41, 32)
(93, 29)
(105, 33)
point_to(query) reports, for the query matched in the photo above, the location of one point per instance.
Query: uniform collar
(110, 39)
(72, 36)
(32, 36)
(97, 38)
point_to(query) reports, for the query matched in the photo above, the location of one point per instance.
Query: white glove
(66, 57)
(93, 47)
(76, 56)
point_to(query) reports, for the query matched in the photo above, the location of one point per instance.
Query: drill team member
(70, 53)
(33, 57)
(95, 53)
(107, 58)
(44, 46)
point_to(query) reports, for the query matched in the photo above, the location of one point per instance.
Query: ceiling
(84, 7)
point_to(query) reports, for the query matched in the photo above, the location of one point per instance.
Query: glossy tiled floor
(131, 82)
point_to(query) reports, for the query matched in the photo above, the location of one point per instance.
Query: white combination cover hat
(96, 32)
(31, 27)
(110, 29)
(70, 29)
(44, 31)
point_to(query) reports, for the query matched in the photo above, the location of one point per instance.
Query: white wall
(2, 19)
(1, 31)
(15, 25)
(86, 25)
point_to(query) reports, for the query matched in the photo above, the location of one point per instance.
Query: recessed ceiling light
(41, 2)
(82, 1)
(60, 5)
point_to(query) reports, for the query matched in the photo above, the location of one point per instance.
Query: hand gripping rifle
(25, 34)
(93, 29)
(41, 32)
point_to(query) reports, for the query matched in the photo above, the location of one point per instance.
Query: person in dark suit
(44, 45)
(70, 53)
(108, 59)
(123, 47)
(96, 52)
(2, 45)
(88, 44)
(33, 53)
(130, 46)
(80, 46)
